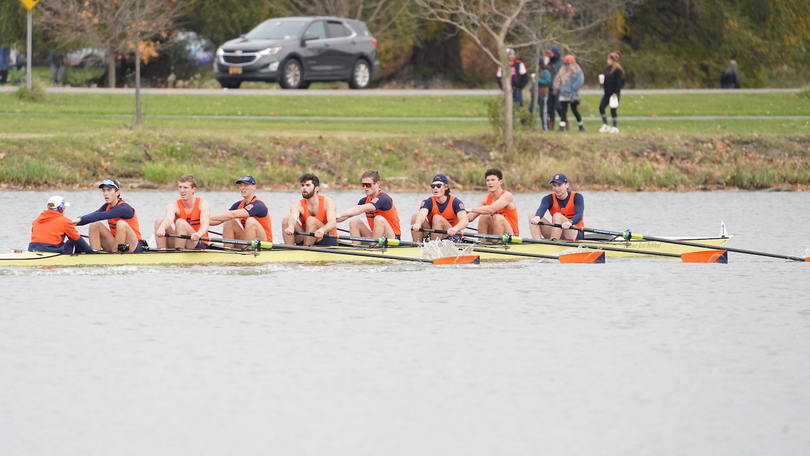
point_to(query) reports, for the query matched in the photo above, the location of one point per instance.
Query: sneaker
(604, 128)
(614, 130)
(582, 128)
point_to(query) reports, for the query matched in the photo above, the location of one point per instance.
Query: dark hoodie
(554, 62)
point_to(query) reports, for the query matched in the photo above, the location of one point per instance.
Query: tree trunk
(111, 61)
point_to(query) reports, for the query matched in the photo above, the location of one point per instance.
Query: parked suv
(295, 51)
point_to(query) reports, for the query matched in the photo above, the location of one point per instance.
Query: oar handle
(254, 244)
(506, 238)
(382, 242)
(626, 234)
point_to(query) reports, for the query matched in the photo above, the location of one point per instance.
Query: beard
(306, 195)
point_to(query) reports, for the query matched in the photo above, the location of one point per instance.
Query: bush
(36, 94)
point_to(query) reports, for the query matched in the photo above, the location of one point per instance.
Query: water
(525, 358)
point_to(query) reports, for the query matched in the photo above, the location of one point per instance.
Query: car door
(342, 51)
(313, 51)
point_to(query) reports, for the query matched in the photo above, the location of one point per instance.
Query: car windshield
(276, 30)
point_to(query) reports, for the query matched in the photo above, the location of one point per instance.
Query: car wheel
(230, 84)
(361, 75)
(292, 76)
(304, 85)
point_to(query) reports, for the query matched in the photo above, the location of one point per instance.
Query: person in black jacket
(730, 78)
(519, 77)
(613, 80)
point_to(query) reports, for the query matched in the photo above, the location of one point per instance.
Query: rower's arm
(295, 214)
(331, 218)
(356, 210)
(420, 218)
(496, 205)
(205, 217)
(223, 217)
(168, 218)
(463, 220)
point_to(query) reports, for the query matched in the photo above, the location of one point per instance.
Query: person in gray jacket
(566, 85)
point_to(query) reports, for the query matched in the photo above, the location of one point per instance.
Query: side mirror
(309, 37)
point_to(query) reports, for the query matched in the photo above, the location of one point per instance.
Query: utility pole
(29, 5)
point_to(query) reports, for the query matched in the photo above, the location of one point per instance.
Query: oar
(382, 242)
(582, 257)
(257, 244)
(705, 256)
(627, 235)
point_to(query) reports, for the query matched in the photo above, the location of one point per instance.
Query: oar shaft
(383, 241)
(506, 252)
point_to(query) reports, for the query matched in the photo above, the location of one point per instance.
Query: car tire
(304, 85)
(292, 75)
(361, 75)
(230, 84)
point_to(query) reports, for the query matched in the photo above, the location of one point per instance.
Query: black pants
(613, 111)
(564, 111)
(552, 105)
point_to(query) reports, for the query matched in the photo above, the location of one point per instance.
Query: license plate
(235, 70)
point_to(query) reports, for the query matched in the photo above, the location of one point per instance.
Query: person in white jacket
(566, 85)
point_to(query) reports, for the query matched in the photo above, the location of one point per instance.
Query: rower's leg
(557, 233)
(439, 223)
(536, 230)
(382, 228)
(290, 239)
(124, 234)
(545, 230)
(254, 230)
(416, 236)
(485, 225)
(313, 225)
(232, 229)
(500, 226)
(100, 237)
(182, 228)
(160, 242)
(358, 229)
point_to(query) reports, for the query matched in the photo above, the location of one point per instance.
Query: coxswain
(442, 211)
(378, 206)
(122, 228)
(247, 219)
(188, 216)
(497, 212)
(53, 232)
(312, 214)
(565, 207)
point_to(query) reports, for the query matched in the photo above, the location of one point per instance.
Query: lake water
(633, 357)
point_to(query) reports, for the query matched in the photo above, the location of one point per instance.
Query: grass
(74, 140)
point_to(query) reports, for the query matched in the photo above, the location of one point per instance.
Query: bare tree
(112, 25)
(495, 25)
(383, 14)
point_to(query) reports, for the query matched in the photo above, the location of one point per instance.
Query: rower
(188, 216)
(497, 212)
(442, 211)
(312, 214)
(248, 218)
(122, 231)
(53, 232)
(381, 213)
(565, 207)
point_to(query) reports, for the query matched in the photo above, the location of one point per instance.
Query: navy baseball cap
(441, 178)
(112, 183)
(559, 179)
(250, 180)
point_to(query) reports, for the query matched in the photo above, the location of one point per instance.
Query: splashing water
(443, 249)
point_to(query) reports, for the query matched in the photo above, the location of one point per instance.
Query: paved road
(373, 92)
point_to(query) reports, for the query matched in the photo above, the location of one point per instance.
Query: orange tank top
(511, 215)
(568, 211)
(193, 217)
(133, 222)
(447, 213)
(320, 216)
(265, 221)
(391, 215)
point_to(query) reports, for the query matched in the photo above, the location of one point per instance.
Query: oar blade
(463, 259)
(706, 256)
(583, 257)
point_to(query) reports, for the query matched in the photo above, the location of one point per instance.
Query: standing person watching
(442, 211)
(378, 206)
(566, 208)
(519, 77)
(53, 232)
(613, 80)
(730, 78)
(122, 226)
(555, 63)
(567, 84)
(540, 91)
(188, 216)
(248, 218)
(313, 213)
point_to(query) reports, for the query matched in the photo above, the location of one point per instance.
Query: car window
(337, 29)
(276, 30)
(317, 29)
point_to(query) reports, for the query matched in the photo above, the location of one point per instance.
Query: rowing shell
(330, 254)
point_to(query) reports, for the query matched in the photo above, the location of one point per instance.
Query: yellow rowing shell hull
(331, 254)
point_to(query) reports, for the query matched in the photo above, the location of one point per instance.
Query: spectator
(540, 91)
(4, 65)
(613, 80)
(730, 78)
(519, 77)
(566, 85)
(554, 63)
(57, 63)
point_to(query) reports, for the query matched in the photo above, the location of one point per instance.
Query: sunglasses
(436, 185)
(367, 185)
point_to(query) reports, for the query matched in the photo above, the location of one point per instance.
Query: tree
(111, 25)
(495, 25)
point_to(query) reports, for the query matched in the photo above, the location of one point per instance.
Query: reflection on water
(528, 357)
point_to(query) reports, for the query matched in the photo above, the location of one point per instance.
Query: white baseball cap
(58, 203)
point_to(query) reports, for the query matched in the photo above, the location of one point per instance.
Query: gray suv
(296, 51)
